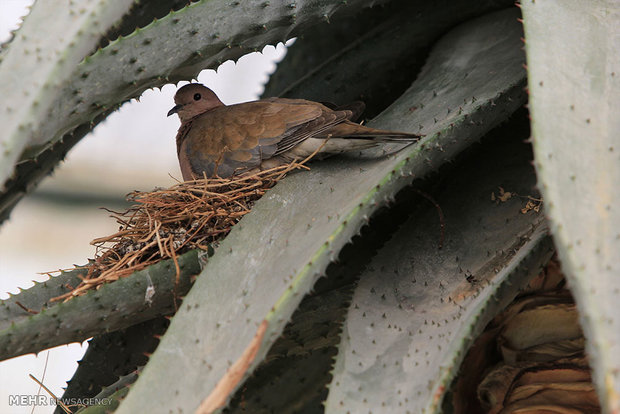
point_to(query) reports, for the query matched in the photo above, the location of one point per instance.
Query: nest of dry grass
(165, 223)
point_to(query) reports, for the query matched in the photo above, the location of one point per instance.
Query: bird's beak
(175, 109)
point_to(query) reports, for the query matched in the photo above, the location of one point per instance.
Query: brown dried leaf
(550, 279)
(540, 325)
(504, 195)
(554, 398)
(532, 204)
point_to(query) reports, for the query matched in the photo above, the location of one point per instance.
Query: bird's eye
(197, 97)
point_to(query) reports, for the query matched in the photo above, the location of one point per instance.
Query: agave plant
(344, 289)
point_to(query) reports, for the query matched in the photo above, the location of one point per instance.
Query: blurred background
(134, 149)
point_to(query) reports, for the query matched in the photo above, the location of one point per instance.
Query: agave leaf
(111, 397)
(37, 297)
(279, 384)
(574, 83)
(140, 297)
(392, 48)
(178, 46)
(111, 356)
(202, 35)
(298, 365)
(276, 253)
(416, 309)
(48, 57)
(293, 376)
(30, 171)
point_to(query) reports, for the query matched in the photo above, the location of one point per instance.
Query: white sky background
(133, 149)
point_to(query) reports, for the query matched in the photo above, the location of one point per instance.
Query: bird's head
(194, 99)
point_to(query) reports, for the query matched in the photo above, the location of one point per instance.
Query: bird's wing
(295, 134)
(243, 135)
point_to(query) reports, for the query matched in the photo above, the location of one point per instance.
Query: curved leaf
(574, 83)
(48, 57)
(202, 35)
(276, 253)
(416, 309)
(140, 297)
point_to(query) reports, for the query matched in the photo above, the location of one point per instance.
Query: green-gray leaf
(275, 254)
(573, 53)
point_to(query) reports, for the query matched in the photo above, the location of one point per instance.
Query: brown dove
(221, 140)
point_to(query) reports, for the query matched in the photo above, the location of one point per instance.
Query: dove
(220, 140)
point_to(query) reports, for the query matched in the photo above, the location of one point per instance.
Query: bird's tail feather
(355, 131)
